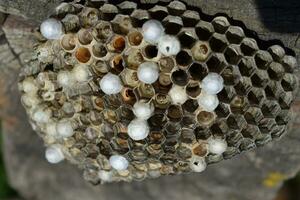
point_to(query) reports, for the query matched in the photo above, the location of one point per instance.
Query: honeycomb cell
(176, 8)
(99, 51)
(235, 34)
(68, 42)
(204, 30)
(216, 63)
(187, 38)
(83, 55)
(275, 71)
(218, 42)
(150, 51)
(205, 118)
(193, 90)
(198, 71)
(172, 24)
(135, 38)
(180, 77)
(201, 51)
(262, 59)
(249, 46)
(220, 24)
(260, 78)
(158, 12)
(233, 54)
(190, 18)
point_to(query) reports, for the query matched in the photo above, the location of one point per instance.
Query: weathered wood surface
(254, 175)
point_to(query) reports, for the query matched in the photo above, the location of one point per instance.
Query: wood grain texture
(254, 175)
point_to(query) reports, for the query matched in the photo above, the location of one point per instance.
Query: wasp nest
(131, 91)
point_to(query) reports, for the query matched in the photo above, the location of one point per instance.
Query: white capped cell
(64, 129)
(198, 164)
(65, 79)
(143, 110)
(168, 45)
(208, 102)
(54, 154)
(41, 115)
(138, 129)
(217, 145)
(111, 84)
(51, 29)
(178, 95)
(118, 162)
(29, 86)
(152, 31)
(81, 73)
(105, 176)
(213, 83)
(148, 72)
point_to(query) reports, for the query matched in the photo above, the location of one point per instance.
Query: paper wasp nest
(134, 91)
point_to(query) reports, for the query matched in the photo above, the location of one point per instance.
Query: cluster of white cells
(148, 72)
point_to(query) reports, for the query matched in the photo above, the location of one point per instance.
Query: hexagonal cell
(157, 121)
(231, 75)
(135, 38)
(170, 144)
(216, 62)
(102, 31)
(99, 50)
(183, 152)
(117, 64)
(243, 86)
(260, 78)
(127, 7)
(222, 111)
(158, 12)
(220, 24)
(139, 17)
(253, 115)
(274, 90)
(125, 114)
(187, 38)
(68, 42)
(286, 100)
(193, 90)
(156, 137)
(174, 113)
(100, 68)
(249, 46)
(251, 131)
(262, 59)
(162, 101)
(144, 91)
(226, 94)
(201, 50)
(138, 155)
(129, 77)
(289, 82)
(172, 129)
(218, 42)
(270, 108)
(183, 59)
(279, 131)
(155, 150)
(120, 145)
(235, 34)
(219, 128)
(83, 54)
(200, 149)
(88, 17)
(128, 96)
(112, 101)
(236, 122)
(205, 118)
(164, 84)
(176, 8)
(247, 66)
(180, 77)
(204, 30)
(198, 71)
(150, 51)
(283, 117)
(247, 144)
(277, 52)
(289, 63)
(121, 24)
(117, 44)
(239, 104)
(120, 130)
(172, 24)
(105, 148)
(187, 136)
(108, 12)
(267, 125)
(263, 139)
(234, 138)
(275, 71)
(190, 18)
(166, 64)
(256, 96)
(188, 121)
(190, 106)
(133, 58)
(110, 116)
(202, 133)
(233, 54)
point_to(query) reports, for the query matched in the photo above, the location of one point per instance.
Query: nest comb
(81, 123)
